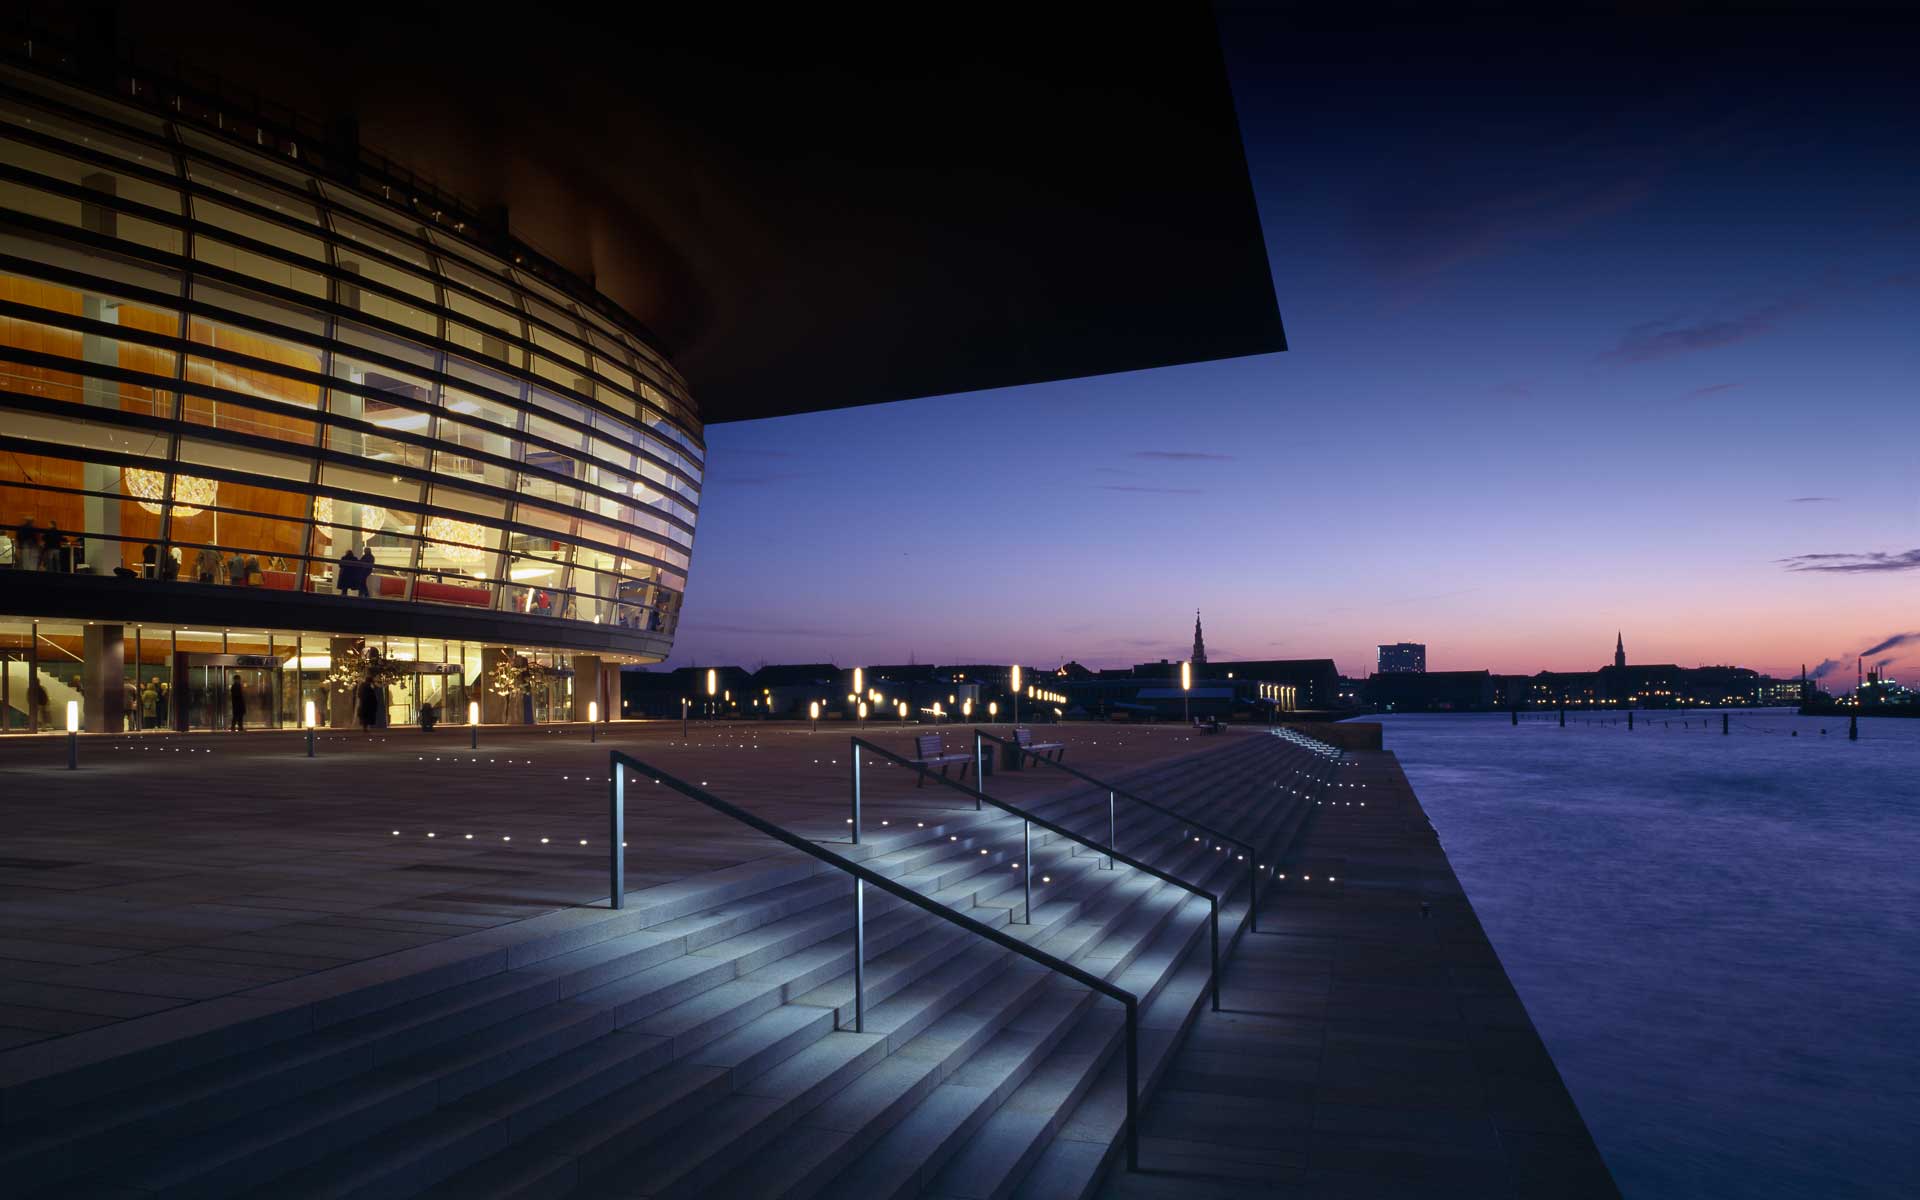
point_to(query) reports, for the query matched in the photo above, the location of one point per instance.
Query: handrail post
(1133, 1086)
(617, 834)
(1253, 890)
(856, 792)
(1026, 863)
(859, 955)
(1213, 918)
(979, 768)
(1113, 833)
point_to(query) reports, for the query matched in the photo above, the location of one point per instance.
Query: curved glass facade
(219, 368)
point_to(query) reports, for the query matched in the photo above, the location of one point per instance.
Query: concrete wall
(1348, 735)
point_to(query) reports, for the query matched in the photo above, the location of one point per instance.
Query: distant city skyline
(1634, 355)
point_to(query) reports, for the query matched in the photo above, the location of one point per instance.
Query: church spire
(1199, 643)
(1619, 650)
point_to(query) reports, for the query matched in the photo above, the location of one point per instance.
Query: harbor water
(1718, 937)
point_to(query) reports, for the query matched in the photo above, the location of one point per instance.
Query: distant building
(1199, 645)
(1403, 658)
(1350, 693)
(1315, 681)
(1431, 691)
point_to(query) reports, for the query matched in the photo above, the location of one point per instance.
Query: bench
(930, 750)
(1023, 738)
(1208, 724)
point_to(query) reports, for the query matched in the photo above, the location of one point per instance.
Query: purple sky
(1591, 332)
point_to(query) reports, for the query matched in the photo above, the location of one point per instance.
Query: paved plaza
(176, 891)
(172, 869)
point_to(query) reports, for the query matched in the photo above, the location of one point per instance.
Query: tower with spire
(1199, 644)
(1619, 650)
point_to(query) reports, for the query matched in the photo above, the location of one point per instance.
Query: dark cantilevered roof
(808, 209)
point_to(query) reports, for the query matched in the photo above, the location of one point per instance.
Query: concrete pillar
(101, 514)
(103, 678)
(590, 684)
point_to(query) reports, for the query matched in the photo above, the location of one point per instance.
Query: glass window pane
(196, 451)
(260, 308)
(72, 386)
(41, 248)
(236, 184)
(92, 137)
(92, 217)
(258, 266)
(377, 484)
(270, 233)
(92, 176)
(91, 504)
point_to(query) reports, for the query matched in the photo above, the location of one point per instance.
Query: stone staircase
(694, 1046)
(20, 677)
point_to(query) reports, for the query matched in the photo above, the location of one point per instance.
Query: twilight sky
(1595, 328)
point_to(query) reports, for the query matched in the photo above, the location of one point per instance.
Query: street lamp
(473, 723)
(859, 680)
(1186, 687)
(903, 712)
(1016, 693)
(713, 688)
(312, 719)
(966, 709)
(936, 712)
(813, 715)
(863, 714)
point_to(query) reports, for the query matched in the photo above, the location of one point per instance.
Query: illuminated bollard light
(73, 735)
(473, 724)
(312, 719)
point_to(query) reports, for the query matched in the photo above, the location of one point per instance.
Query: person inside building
(366, 571)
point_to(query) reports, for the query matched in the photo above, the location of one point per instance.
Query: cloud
(1412, 233)
(1872, 562)
(1814, 500)
(1183, 455)
(1712, 388)
(1140, 487)
(1655, 340)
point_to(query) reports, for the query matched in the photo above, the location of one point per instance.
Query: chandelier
(446, 532)
(372, 516)
(191, 494)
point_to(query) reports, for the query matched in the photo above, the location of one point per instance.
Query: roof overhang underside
(812, 210)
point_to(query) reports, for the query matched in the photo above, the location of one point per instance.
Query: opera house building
(269, 401)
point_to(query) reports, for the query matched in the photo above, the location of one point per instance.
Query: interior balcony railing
(619, 767)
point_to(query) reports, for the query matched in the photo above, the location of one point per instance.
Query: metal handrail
(617, 797)
(1026, 833)
(1113, 832)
